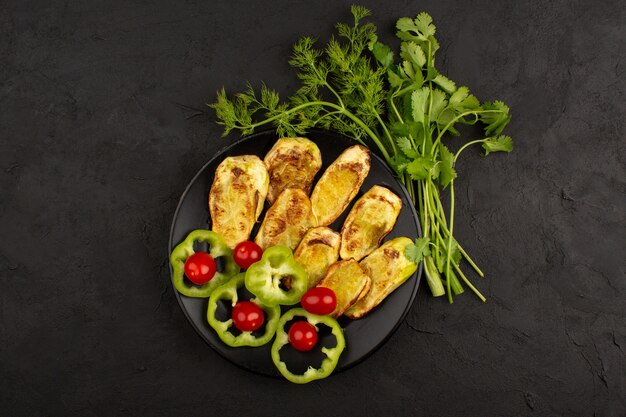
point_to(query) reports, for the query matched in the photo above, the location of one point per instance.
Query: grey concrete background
(99, 137)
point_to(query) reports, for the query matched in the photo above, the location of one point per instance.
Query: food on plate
(332, 353)
(217, 249)
(371, 218)
(292, 163)
(228, 292)
(388, 268)
(287, 220)
(247, 316)
(237, 197)
(276, 278)
(302, 336)
(246, 253)
(318, 249)
(319, 300)
(200, 268)
(348, 281)
(398, 102)
(339, 184)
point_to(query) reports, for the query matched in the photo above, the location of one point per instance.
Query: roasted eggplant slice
(388, 268)
(349, 282)
(287, 220)
(339, 184)
(237, 197)
(318, 250)
(372, 217)
(292, 163)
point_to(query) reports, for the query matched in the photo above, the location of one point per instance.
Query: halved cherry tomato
(319, 300)
(247, 316)
(246, 253)
(200, 268)
(302, 336)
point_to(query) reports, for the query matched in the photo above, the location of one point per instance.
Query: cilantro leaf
(399, 163)
(420, 168)
(382, 53)
(502, 143)
(394, 79)
(419, 103)
(431, 73)
(459, 95)
(439, 103)
(446, 166)
(408, 68)
(406, 147)
(446, 84)
(424, 24)
(470, 103)
(497, 119)
(415, 252)
(411, 52)
(406, 24)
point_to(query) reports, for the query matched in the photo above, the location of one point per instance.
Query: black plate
(363, 336)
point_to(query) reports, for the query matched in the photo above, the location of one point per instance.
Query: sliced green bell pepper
(228, 291)
(185, 249)
(332, 354)
(264, 277)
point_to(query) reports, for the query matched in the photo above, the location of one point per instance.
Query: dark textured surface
(95, 149)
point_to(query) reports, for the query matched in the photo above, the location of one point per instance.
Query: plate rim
(263, 132)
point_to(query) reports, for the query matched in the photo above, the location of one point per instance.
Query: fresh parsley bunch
(405, 108)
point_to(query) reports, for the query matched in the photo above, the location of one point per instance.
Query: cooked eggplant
(349, 282)
(292, 163)
(237, 197)
(339, 184)
(287, 220)
(318, 250)
(372, 217)
(388, 268)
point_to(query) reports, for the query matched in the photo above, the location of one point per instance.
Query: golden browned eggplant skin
(292, 163)
(348, 280)
(318, 250)
(372, 217)
(388, 268)
(339, 184)
(237, 197)
(287, 220)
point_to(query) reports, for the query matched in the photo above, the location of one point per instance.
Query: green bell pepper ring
(228, 291)
(185, 249)
(332, 354)
(264, 277)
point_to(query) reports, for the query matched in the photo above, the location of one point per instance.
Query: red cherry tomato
(200, 268)
(302, 336)
(246, 253)
(247, 316)
(319, 300)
